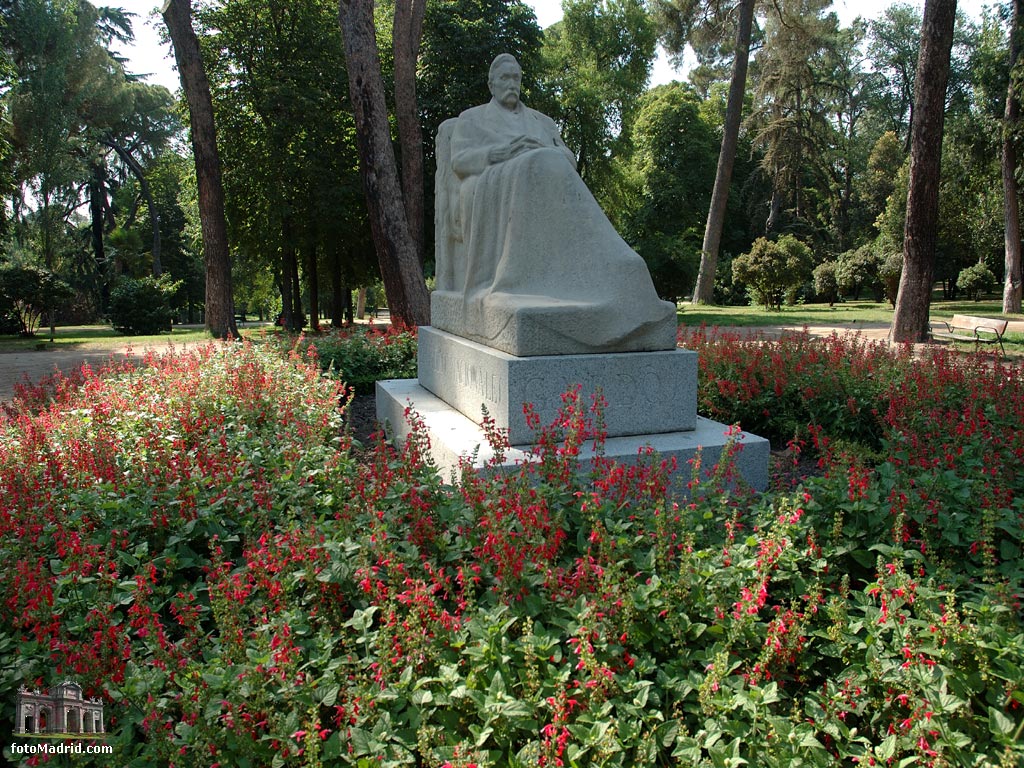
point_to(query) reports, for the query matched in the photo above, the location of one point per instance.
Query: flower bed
(192, 541)
(363, 355)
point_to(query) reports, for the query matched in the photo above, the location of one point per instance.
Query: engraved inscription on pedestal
(646, 392)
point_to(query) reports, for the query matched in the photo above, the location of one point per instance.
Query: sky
(149, 56)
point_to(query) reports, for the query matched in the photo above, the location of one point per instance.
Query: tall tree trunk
(361, 303)
(97, 203)
(337, 289)
(154, 214)
(704, 291)
(48, 253)
(1011, 207)
(910, 320)
(406, 34)
(284, 286)
(220, 306)
(299, 316)
(396, 251)
(312, 281)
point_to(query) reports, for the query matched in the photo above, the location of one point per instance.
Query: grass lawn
(99, 337)
(851, 314)
(847, 312)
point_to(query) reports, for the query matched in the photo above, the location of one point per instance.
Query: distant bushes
(26, 293)
(773, 269)
(142, 306)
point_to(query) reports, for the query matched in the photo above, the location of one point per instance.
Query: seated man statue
(527, 262)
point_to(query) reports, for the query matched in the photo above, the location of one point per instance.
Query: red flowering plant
(192, 541)
(363, 355)
(783, 388)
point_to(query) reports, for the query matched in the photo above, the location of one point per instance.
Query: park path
(34, 365)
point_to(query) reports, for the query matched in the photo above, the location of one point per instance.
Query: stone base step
(453, 436)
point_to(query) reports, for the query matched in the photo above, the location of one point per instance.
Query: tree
(791, 112)
(673, 167)
(294, 201)
(135, 119)
(773, 268)
(52, 52)
(893, 48)
(1011, 208)
(220, 309)
(879, 183)
(407, 32)
(400, 266)
(910, 319)
(679, 17)
(597, 61)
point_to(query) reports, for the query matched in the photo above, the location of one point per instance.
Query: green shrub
(773, 268)
(361, 356)
(825, 284)
(26, 292)
(142, 306)
(857, 270)
(889, 271)
(976, 280)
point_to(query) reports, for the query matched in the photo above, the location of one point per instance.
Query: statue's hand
(522, 144)
(515, 147)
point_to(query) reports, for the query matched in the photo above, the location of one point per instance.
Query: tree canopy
(817, 132)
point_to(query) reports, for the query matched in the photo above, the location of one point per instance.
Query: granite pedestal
(646, 392)
(548, 326)
(651, 401)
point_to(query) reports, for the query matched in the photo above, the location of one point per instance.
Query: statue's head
(504, 79)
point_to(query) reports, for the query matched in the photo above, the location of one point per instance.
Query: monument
(537, 293)
(61, 709)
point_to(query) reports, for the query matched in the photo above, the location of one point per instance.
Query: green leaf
(999, 723)
(329, 695)
(887, 748)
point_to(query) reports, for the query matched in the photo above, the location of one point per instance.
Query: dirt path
(17, 367)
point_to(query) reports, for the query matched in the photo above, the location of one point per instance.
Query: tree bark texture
(704, 291)
(1011, 199)
(407, 33)
(399, 262)
(220, 306)
(920, 233)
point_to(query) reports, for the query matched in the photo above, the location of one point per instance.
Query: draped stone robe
(527, 261)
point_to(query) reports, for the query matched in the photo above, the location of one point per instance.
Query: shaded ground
(34, 365)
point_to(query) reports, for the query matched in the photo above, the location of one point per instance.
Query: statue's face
(505, 84)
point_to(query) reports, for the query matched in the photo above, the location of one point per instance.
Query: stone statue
(527, 262)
